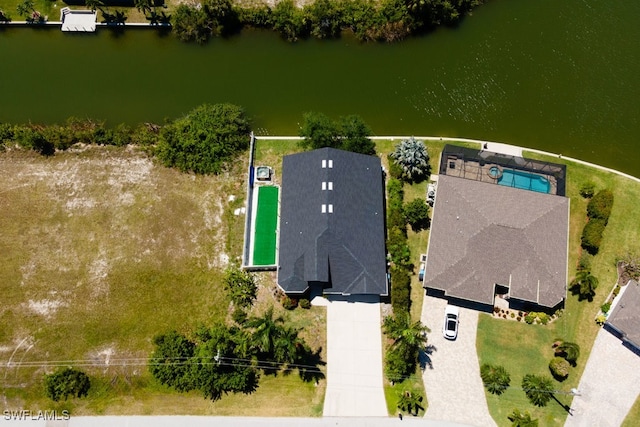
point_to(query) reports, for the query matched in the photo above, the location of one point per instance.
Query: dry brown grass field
(102, 249)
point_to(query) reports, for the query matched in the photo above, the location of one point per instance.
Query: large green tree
(318, 131)
(67, 382)
(171, 359)
(205, 140)
(538, 388)
(354, 135)
(416, 213)
(241, 286)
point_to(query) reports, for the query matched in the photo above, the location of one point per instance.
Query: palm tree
(410, 402)
(584, 285)
(495, 378)
(93, 4)
(143, 6)
(266, 330)
(538, 388)
(411, 155)
(288, 347)
(404, 333)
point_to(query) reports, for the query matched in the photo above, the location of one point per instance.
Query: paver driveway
(354, 359)
(609, 385)
(452, 375)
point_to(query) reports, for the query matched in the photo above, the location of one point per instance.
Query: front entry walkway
(354, 359)
(609, 385)
(452, 374)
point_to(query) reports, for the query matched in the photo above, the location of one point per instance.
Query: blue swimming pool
(524, 180)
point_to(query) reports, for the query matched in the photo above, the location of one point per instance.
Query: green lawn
(633, 417)
(524, 349)
(102, 250)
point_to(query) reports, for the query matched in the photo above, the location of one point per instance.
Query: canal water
(557, 76)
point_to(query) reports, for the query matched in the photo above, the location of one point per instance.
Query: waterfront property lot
(102, 250)
(510, 343)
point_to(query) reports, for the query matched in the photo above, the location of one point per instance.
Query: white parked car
(451, 320)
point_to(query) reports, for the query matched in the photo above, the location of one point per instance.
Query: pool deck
(470, 169)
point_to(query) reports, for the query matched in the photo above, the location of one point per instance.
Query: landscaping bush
(66, 382)
(305, 303)
(495, 378)
(543, 317)
(592, 235)
(400, 290)
(569, 351)
(587, 190)
(584, 285)
(395, 170)
(600, 205)
(522, 419)
(530, 317)
(605, 307)
(239, 315)
(289, 303)
(559, 368)
(584, 263)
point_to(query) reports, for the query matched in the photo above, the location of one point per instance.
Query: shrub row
(398, 248)
(598, 212)
(203, 141)
(385, 20)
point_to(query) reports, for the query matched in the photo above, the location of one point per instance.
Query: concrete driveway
(452, 374)
(354, 359)
(609, 385)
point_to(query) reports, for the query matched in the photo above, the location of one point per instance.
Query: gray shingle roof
(625, 317)
(342, 248)
(483, 234)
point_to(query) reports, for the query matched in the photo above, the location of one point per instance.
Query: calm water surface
(558, 76)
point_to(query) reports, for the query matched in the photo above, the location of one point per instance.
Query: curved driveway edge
(354, 359)
(609, 385)
(452, 374)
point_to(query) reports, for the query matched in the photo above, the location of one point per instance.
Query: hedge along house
(332, 234)
(508, 240)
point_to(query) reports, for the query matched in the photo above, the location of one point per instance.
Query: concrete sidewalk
(609, 385)
(354, 360)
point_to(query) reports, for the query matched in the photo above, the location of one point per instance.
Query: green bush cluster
(223, 359)
(398, 247)
(592, 235)
(559, 368)
(416, 213)
(539, 317)
(66, 382)
(598, 212)
(349, 133)
(241, 286)
(587, 190)
(47, 139)
(289, 303)
(600, 205)
(401, 358)
(368, 20)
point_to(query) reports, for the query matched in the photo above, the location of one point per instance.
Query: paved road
(179, 421)
(354, 360)
(452, 375)
(609, 385)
